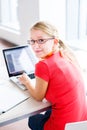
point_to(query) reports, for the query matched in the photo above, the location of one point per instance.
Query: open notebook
(10, 96)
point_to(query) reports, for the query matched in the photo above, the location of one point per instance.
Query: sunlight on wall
(54, 12)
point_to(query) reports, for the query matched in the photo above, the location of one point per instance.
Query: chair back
(82, 125)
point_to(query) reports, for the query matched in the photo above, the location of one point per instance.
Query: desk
(25, 109)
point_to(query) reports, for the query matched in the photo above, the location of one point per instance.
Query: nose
(36, 46)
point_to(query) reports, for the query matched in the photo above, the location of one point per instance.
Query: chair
(82, 125)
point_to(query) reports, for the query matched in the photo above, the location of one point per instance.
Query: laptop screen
(19, 59)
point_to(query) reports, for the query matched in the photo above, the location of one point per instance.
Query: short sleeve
(41, 70)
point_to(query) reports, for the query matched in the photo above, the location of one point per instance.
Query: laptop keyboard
(17, 82)
(32, 76)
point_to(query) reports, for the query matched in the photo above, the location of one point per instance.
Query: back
(65, 91)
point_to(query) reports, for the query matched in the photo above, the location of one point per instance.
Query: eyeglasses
(39, 41)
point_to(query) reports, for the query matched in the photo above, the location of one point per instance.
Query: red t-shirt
(65, 91)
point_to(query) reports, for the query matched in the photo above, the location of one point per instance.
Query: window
(9, 14)
(83, 19)
(76, 19)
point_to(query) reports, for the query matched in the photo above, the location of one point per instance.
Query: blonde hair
(52, 31)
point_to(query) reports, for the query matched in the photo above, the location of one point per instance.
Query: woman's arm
(39, 90)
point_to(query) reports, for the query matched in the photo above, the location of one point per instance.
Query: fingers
(24, 79)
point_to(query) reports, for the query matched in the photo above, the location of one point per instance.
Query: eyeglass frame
(38, 41)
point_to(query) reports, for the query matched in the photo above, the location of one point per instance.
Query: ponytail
(67, 53)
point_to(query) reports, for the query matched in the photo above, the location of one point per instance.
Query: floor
(22, 124)
(5, 44)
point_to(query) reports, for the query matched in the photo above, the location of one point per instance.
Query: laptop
(19, 59)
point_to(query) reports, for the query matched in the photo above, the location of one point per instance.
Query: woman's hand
(38, 90)
(24, 79)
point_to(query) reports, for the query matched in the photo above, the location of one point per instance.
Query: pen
(1, 112)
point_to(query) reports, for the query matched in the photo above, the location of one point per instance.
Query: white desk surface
(25, 109)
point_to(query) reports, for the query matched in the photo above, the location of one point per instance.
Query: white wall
(30, 11)
(55, 12)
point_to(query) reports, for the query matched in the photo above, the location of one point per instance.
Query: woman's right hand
(24, 79)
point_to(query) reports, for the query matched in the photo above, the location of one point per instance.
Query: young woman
(58, 79)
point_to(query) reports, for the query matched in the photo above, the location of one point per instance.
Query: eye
(41, 41)
(32, 41)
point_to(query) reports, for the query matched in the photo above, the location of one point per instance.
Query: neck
(49, 55)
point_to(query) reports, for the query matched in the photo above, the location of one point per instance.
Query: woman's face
(41, 50)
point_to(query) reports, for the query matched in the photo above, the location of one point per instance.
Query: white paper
(10, 96)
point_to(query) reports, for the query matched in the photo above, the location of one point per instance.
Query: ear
(55, 41)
